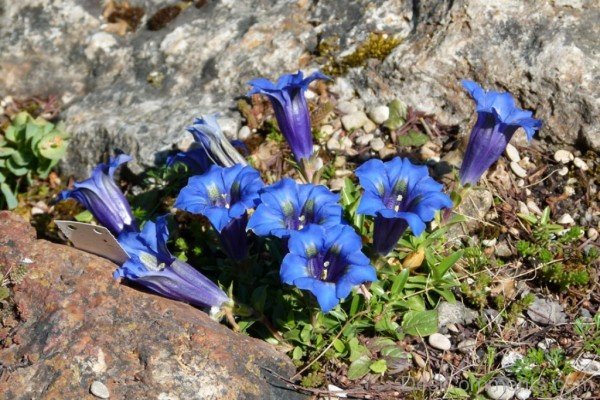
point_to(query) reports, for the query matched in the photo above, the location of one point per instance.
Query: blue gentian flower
(210, 137)
(327, 262)
(399, 195)
(497, 120)
(291, 109)
(196, 160)
(151, 265)
(101, 196)
(224, 196)
(287, 206)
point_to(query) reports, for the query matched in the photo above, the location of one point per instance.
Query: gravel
(440, 342)
(518, 170)
(512, 153)
(579, 163)
(99, 390)
(355, 120)
(379, 114)
(563, 156)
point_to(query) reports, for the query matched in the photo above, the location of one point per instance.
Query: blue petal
(293, 267)
(370, 204)
(267, 221)
(323, 291)
(308, 242)
(371, 177)
(354, 275)
(416, 224)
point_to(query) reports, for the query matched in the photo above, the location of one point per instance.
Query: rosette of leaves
(29, 148)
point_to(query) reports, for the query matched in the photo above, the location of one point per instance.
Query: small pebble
(347, 107)
(502, 250)
(592, 233)
(489, 242)
(333, 144)
(563, 156)
(244, 133)
(439, 378)
(533, 207)
(377, 144)
(369, 126)
(520, 183)
(364, 140)
(512, 153)
(327, 129)
(569, 190)
(563, 171)
(566, 219)
(467, 346)
(440, 342)
(523, 393)
(379, 114)
(523, 209)
(579, 163)
(518, 170)
(509, 359)
(354, 121)
(587, 366)
(419, 360)
(546, 344)
(100, 390)
(500, 392)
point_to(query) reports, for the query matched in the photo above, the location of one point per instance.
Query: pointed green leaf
(359, 368)
(7, 151)
(11, 200)
(420, 323)
(397, 118)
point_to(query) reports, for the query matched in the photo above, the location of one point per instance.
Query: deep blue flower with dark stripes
(399, 195)
(224, 196)
(291, 109)
(328, 262)
(287, 206)
(101, 196)
(151, 265)
(497, 120)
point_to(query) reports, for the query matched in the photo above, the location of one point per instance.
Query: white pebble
(509, 359)
(347, 107)
(244, 133)
(579, 163)
(569, 190)
(333, 144)
(379, 114)
(587, 366)
(364, 140)
(523, 209)
(563, 156)
(518, 170)
(439, 378)
(592, 233)
(520, 183)
(343, 88)
(523, 393)
(546, 344)
(467, 346)
(533, 207)
(563, 171)
(566, 219)
(327, 129)
(512, 153)
(440, 342)
(489, 242)
(377, 144)
(354, 121)
(500, 392)
(100, 390)
(369, 126)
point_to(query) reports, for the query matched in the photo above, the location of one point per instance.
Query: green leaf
(379, 366)
(21, 118)
(339, 346)
(354, 304)
(297, 353)
(545, 218)
(84, 216)
(348, 193)
(412, 139)
(420, 323)
(11, 134)
(33, 130)
(359, 367)
(11, 200)
(399, 282)
(53, 145)
(21, 158)
(357, 350)
(393, 352)
(415, 303)
(15, 169)
(259, 298)
(440, 270)
(397, 118)
(454, 392)
(6, 151)
(529, 218)
(4, 292)
(338, 313)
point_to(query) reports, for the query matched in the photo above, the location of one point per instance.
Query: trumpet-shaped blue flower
(497, 120)
(210, 137)
(287, 206)
(224, 196)
(151, 265)
(291, 109)
(399, 195)
(100, 195)
(327, 262)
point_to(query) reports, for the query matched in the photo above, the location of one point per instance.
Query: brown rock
(79, 326)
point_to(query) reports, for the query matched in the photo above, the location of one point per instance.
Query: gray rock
(377, 144)
(455, 313)
(546, 312)
(522, 393)
(509, 359)
(500, 392)
(467, 346)
(100, 390)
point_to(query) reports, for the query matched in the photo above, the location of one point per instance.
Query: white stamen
(326, 264)
(301, 226)
(397, 207)
(399, 198)
(302, 218)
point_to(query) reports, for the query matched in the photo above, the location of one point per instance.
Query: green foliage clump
(562, 261)
(29, 148)
(543, 371)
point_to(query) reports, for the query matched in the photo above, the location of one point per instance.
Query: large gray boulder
(546, 54)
